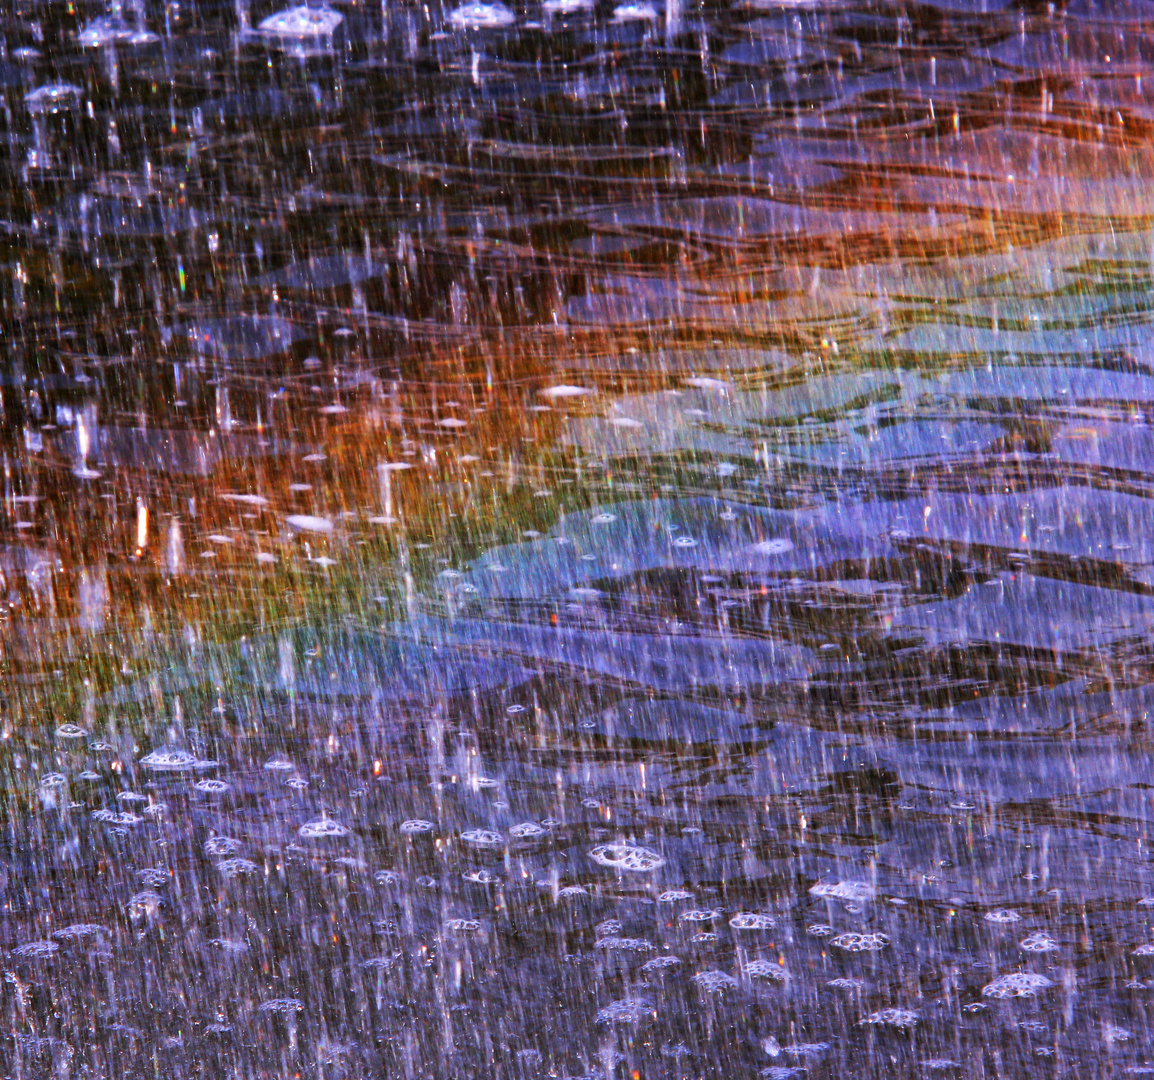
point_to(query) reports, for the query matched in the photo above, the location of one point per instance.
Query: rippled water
(573, 540)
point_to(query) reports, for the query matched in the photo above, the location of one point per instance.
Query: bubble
(572, 892)
(779, 545)
(660, 963)
(603, 518)
(815, 1049)
(111, 817)
(236, 867)
(855, 942)
(626, 1011)
(415, 827)
(782, 1072)
(462, 926)
(482, 877)
(387, 877)
(483, 838)
(478, 15)
(625, 945)
(699, 915)
(764, 969)
(1002, 916)
(53, 780)
(153, 877)
(379, 963)
(309, 523)
(939, 1064)
(222, 845)
(705, 937)
(212, 787)
(527, 830)
(170, 759)
(100, 747)
(1018, 984)
(685, 542)
(515, 710)
(1144, 950)
(229, 947)
(35, 950)
(903, 1019)
(854, 891)
(1038, 942)
(297, 783)
(819, 929)
(564, 391)
(713, 982)
(276, 763)
(76, 931)
(323, 827)
(631, 857)
(71, 731)
(283, 1006)
(752, 920)
(88, 774)
(144, 905)
(608, 926)
(845, 984)
(674, 896)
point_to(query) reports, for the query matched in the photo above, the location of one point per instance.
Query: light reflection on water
(570, 540)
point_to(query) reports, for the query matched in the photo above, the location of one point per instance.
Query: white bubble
(483, 838)
(144, 905)
(153, 877)
(483, 16)
(699, 915)
(482, 877)
(309, 523)
(714, 981)
(625, 945)
(527, 830)
(660, 963)
(1144, 950)
(283, 1006)
(222, 845)
(603, 518)
(53, 780)
(212, 787)
(1038, 942)
(764, 969)
(379, 963)
(462, 926)
(855, 942)
(858, 891)
(630, 857)
(564, 391)
(1002, 916)
(819, 929)
(322, 827)
(297, 783)
(608, 926)
(778, 545)
(71, 731)
(685, 542)
(782, 1072)
(236, 867)
(76, 931)
(752, 920)
(415, 827)
(673, 896)
(170, 759)
(572, 892)
(904, 1019)
(35, 950)
(1018, 984)
(627, 1011)
(387, 877)
(845, 984)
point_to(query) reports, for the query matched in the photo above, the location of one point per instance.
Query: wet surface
(567, 540)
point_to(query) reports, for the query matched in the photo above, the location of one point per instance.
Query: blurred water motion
(576, 539)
